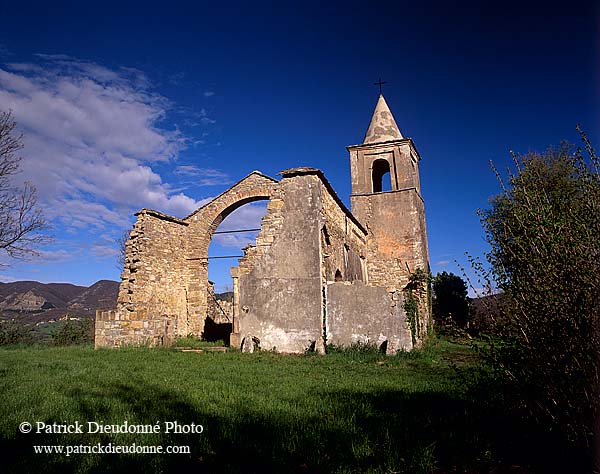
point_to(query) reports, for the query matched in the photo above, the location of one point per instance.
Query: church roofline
(161, 215)
(305, 170)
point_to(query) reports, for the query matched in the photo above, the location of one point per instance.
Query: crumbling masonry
(318, 274)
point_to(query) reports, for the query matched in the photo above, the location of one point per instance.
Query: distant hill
(42, 301)
(226, 296)
(101, 295)
(32, 295)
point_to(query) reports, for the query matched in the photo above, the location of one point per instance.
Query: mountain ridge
(35, 298)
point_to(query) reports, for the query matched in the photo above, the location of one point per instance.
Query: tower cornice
(389, 143)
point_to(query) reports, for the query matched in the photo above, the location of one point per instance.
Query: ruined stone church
(318, 274)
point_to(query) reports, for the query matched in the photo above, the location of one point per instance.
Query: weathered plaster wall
(358, 313)
(280, 293)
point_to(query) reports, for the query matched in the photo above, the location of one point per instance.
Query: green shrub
(74, 332)
(544, 233)
(13, 332)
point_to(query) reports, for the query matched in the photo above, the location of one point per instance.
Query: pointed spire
(383, 127)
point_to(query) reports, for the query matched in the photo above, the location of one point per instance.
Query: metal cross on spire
(380, 83)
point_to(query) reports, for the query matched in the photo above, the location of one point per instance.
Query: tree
(122, 248)
(450, 301)
(544, 233)
(21, 221)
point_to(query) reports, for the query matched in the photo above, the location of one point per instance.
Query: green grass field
(261, 412)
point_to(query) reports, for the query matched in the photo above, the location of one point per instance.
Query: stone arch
(201, 225)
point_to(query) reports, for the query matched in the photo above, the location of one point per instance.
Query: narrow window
(338, 276)
(381, 176)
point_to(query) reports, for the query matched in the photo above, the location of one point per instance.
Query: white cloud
(92, 135)
(202, 176)
(191, 170)
(197, 119)
(55, 255)
(105, 251)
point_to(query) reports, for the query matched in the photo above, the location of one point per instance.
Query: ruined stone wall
(165, 280)
(151, 305)
(154, 258)
(115, 329)
(358, 313)
(280, 290)
(285, 285)
(343, 242)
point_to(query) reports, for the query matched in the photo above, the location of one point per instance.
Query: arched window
(338, 276)
(381, 176)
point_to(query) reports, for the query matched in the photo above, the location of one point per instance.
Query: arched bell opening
(381, 176)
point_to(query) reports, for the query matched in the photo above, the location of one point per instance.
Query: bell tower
(386, 199)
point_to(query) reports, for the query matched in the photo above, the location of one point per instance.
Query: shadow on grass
(385, 431)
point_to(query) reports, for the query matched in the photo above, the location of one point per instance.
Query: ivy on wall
(418, 280)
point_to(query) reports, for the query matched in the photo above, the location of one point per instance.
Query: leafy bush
(12, 332)
(74, 332)
(544, 233)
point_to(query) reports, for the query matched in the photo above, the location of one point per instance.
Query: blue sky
(129, 105)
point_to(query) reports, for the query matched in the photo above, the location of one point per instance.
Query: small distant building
(319, 273)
